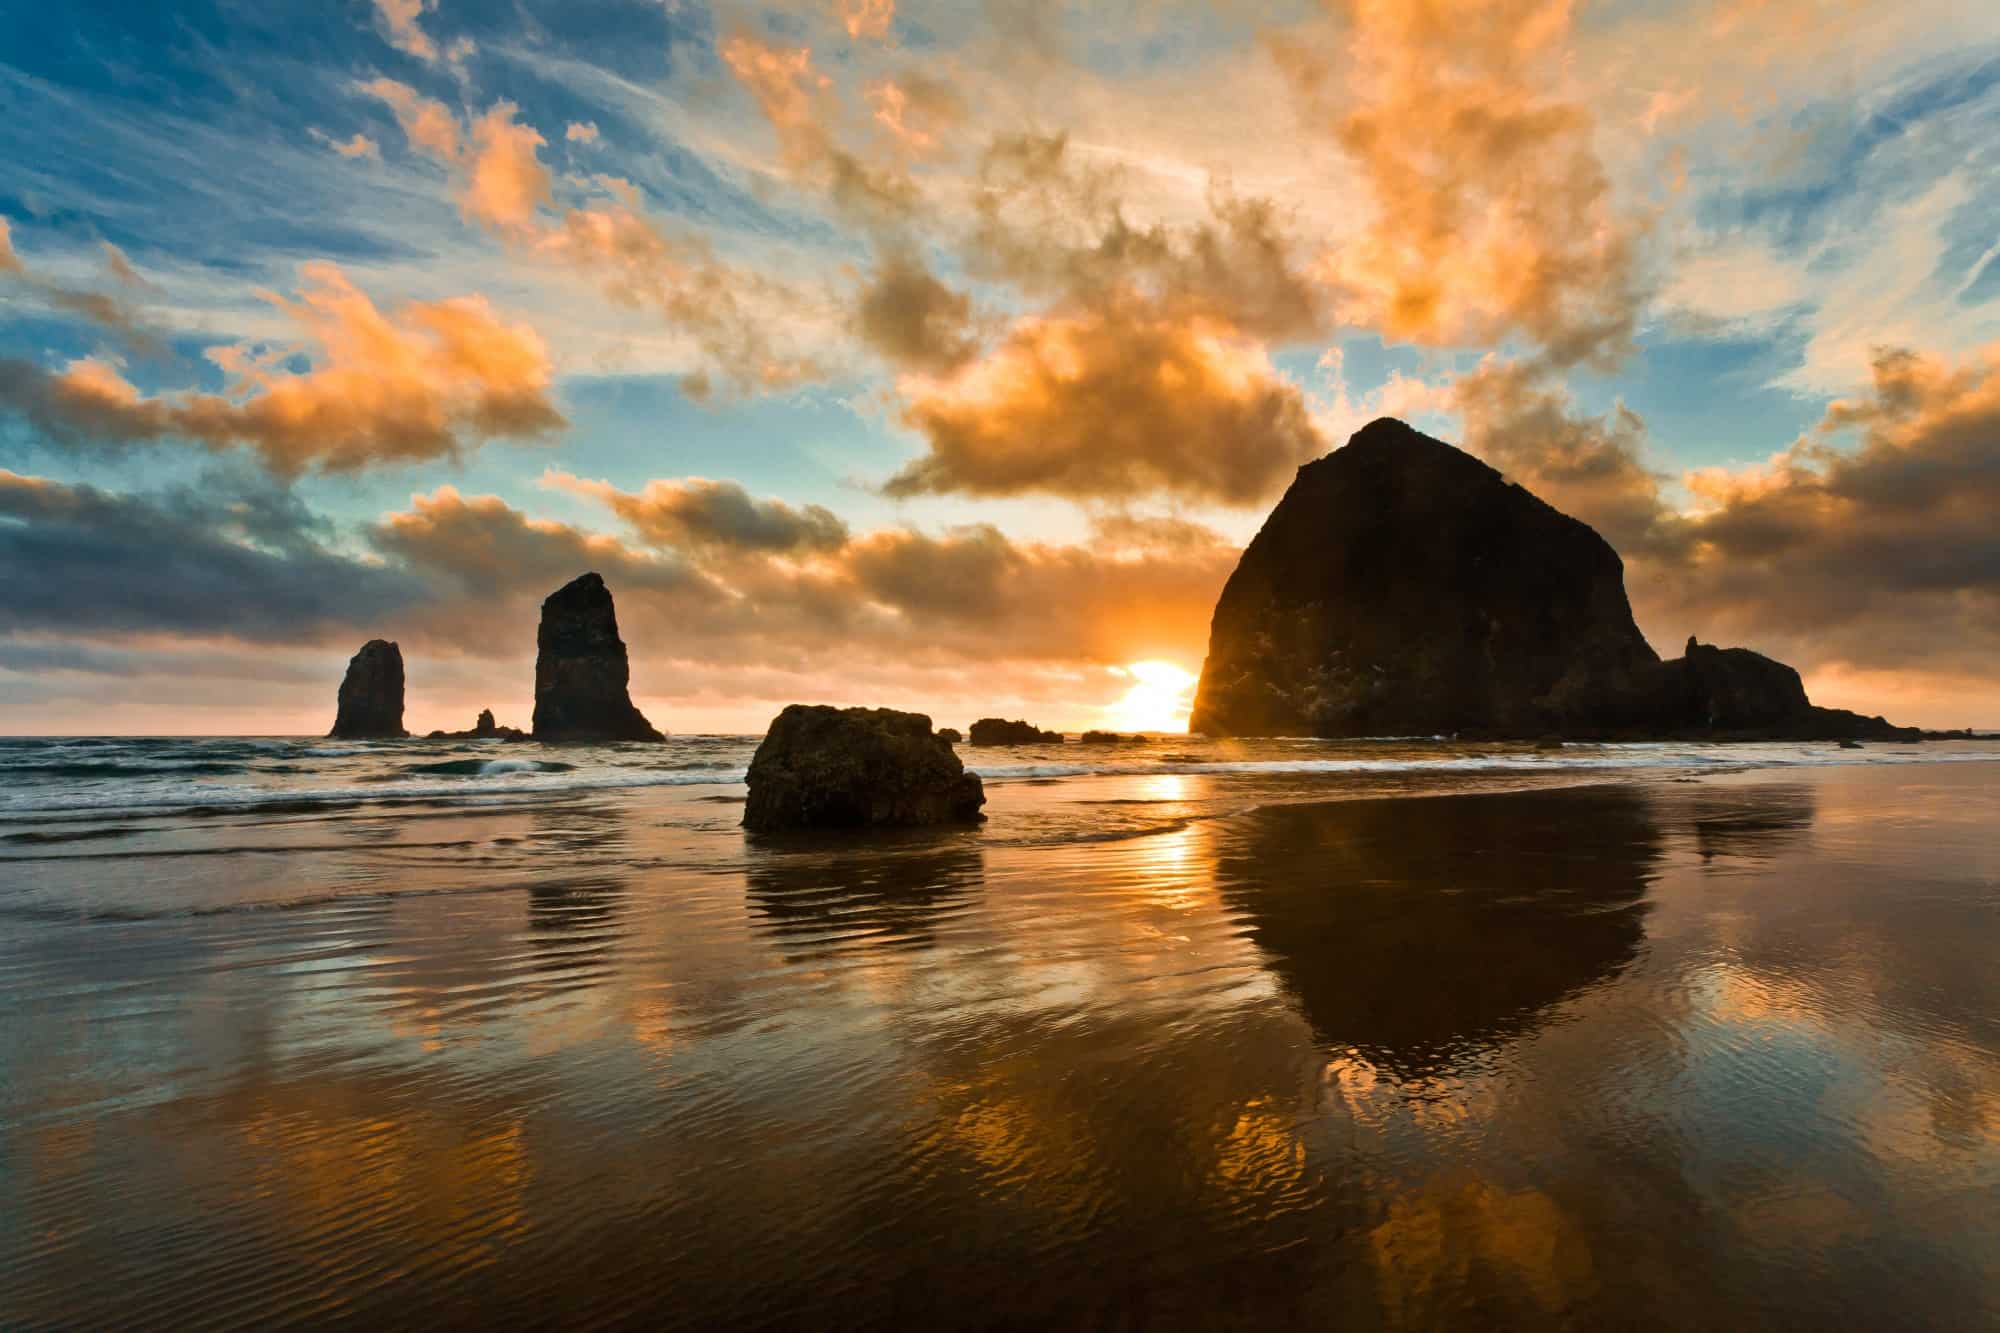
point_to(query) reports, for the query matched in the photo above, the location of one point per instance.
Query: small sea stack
(581, 671)
(995, 731)
(830, 768)
(371, 695)
(483, 729)
(1110, 738)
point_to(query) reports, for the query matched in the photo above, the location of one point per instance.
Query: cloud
(105, 309)
(699, 513)
(912, 319)
(231, 556)
(358, 145)
(918, 110)
(866, 18)
(428, 124)
(10, 262)
(796, 100)
(1877, 556)
(430, 382)
(405, 32)
(1119, 403)
(1493, 215)
(506, 183)
(584, 131)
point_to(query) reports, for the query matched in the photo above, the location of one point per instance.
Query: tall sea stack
(1403, 587)
(371, 695)
(581, 672)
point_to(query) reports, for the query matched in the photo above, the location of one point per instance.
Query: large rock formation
(371, 694)
(1402, 587)
(996, 731)
(821, 767)
(581, 672)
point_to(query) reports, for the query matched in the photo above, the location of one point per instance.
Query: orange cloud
(9, 261)
(913, 319)
(584, 131)
(1492, 214)
(428, 124)
(712, 515)
(432, 381)
(1122, 402)
(405, 32)
(866, 18)
(506, 183)
(105, 309)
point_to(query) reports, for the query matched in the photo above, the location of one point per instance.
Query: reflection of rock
(1749, 821)
(371, 694)
(996, 731)
(581, 671)
(1419, 931)
(820, 767)
(884, 897)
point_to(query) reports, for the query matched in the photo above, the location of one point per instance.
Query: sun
(1159, 700)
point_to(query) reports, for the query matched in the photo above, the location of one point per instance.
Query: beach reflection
(1418, 933)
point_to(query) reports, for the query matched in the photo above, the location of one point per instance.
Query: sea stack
(371, 695)
(999, 731)
(1402, 587)
(825, 768)
(581, 671)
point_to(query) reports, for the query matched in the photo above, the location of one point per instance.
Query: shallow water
(1633, 1036)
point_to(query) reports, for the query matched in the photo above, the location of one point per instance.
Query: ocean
(1387, 1034)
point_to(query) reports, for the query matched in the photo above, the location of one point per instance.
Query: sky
(944, 355)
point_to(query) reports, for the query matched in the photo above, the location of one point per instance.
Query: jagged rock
(1109, 738)
(950, 735)
(581, 671)
(821, 767)
(1402, 587)
(484, 729)
(994, 731)
(371, 694)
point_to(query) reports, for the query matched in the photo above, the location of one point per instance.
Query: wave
(490, 768)
(112, 768)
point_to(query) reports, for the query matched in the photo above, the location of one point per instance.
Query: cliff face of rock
(820, 767)
(371, 694)
(1402, 587)
(581, 671)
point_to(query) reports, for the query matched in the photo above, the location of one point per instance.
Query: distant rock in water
(371, 694)
(950, 735)
(581, 672)
(1109, 738)
(993, 731)
(1402, 587)
(821, 767)
(485, 729)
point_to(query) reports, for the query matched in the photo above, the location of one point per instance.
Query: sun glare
(1159, 700)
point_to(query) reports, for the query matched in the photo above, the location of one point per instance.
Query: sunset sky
(943, 356)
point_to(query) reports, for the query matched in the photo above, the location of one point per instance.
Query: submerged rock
(821, 767)
(1402, 587)
(371, 694)
(994, 731)
(581, 671)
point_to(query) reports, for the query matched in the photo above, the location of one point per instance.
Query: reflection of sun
(1159, 699)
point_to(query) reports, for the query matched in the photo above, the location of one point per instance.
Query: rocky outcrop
(950, 735)
(581, 671)
(371, 694)
(484, 729)
(821, 767)
(1109, 738)
(994, 731)
(1402, 587)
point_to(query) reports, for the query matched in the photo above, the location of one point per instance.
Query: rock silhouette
(994, 731)
(1402, 587)
(371, 694)
(484, 729)
(821, 767)
(581, 671)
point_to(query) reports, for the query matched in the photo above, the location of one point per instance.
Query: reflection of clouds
(1449, 1248)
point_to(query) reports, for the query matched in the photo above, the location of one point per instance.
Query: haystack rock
(821, 767)
(371, 695)
(581, 671)
(996, 731)
(1402, 587)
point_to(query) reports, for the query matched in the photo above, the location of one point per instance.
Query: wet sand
(1720, 1051)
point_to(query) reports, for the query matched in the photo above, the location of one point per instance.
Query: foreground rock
(1402, 587)
(994, 731)
(822, 767)
(484, 729)
(371, 694)
(581, 671)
